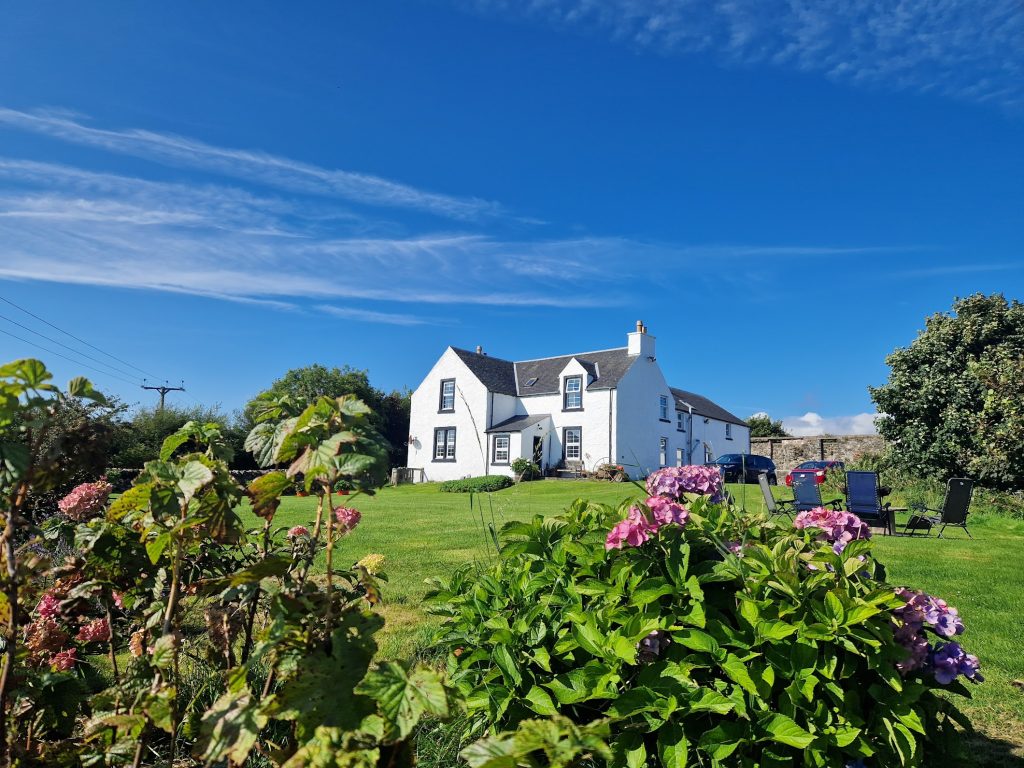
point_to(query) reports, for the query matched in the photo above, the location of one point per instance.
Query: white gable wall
(472, 405)
(639, 420)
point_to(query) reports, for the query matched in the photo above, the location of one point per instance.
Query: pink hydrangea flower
(634, 530)
(95, 631)
(64, 660)
(49, 606)
(85, 501)
(666, 511)
(673, 482)
(347, 518)
(298, 530)
(837, 527)
(118, 600)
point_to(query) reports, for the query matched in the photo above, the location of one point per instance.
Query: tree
(952, 404)
(138, 439)
(304, 385)
(761, 425)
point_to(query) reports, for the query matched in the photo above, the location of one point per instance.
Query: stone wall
(787, 452)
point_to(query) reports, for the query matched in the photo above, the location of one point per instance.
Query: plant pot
(301, 494)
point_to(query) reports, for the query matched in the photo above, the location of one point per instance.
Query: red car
(818, 468)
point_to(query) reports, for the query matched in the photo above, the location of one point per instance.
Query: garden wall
(787, 452)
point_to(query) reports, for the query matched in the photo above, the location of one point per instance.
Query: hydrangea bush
(692, 633)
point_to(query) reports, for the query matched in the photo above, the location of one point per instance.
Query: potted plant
(524, 469)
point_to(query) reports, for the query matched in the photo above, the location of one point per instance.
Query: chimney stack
(640, 342)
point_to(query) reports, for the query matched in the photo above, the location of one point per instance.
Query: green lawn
(423, 533)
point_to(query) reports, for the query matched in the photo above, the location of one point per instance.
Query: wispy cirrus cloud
(253, 166)
(962, 49)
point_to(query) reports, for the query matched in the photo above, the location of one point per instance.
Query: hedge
(484, 484)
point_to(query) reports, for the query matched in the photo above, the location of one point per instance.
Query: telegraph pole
(163, 390)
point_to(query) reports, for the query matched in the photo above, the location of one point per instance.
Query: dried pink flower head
(64, 660)
(94, 631)
(85, 501)
(298, 530)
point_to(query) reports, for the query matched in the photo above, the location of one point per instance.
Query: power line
(81, 341)
(76, 362)
(62, 344)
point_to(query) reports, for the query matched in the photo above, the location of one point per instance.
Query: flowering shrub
(86, 500)
(920, 615)
(347, 518)
(699, 635)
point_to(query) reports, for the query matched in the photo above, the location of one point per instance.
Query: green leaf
(540, 701)
(834, 608)
(503, 658)
(696, 640)
(265, 440)
(82, 387)
(673, 746)
(29, 372)
(194, 475)
(589, 638)
(722, 740)
(155, 547)
(650, 590)
(404, 696)
(784, 729)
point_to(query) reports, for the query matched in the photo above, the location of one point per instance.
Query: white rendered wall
(472, 403)
(638, 420)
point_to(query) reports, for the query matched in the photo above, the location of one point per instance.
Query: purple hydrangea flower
(949, 660)
(673, 482)
(665, 511)
(837, 527)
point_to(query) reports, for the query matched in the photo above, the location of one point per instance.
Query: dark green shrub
(484, 484)
(710, 638)
(525, 469)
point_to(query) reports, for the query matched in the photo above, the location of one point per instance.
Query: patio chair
(807, 494)
(955, 508)
(863, 500)
(775, 507)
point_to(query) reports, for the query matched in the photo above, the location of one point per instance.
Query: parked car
(732, 466)
(819, 468)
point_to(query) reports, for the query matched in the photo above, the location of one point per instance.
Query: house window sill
(443, 461)
(450, 410)
(571, 410)
(665, 421)
(499, 463)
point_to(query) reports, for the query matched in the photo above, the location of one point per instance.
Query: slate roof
(704, 407)
(519, 423)
(607, 367)
(494, 373)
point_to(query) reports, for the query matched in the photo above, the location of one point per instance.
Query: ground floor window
(707, 454)
(662, 451)
(444, 444)
(679, 457)
(573, 443)
(501, 443)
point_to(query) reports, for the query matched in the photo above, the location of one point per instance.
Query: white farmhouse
(474, 414)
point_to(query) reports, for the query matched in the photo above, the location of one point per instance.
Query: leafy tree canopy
(761, 425)
(303, 386)
(954, 401)
(138, 438)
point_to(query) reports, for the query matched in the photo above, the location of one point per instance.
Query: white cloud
(812, 423)
(960, 48)
(253, 166)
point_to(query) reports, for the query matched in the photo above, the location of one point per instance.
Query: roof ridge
(570, 354)
(481, 354)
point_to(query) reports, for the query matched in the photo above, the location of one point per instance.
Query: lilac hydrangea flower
(949, 660)
(837, 527)
(665, 511)
(673, 482)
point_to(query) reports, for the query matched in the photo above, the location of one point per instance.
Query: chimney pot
(479, 349)
(639, 326)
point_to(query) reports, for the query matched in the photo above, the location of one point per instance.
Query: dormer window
(447, 404)
(572, 400)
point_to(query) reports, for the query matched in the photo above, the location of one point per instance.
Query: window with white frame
(662, 451)
(444, 444)
(680, 424)
(573, 393)
(573, 443)
(501, 443)
(663, 408)
(447, 395)
(679, 457)
(707, 454)
(728, 431)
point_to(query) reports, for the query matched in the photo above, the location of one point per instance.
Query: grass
(424, 533)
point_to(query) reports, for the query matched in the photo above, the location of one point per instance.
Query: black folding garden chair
(807, 494)
(956, 506)
(775, 507)
(863, 500)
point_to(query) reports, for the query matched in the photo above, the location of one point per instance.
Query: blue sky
(220, 192)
